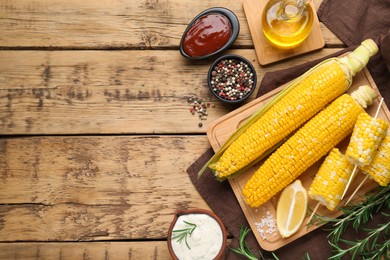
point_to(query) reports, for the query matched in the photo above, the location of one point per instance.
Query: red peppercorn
(232, 80)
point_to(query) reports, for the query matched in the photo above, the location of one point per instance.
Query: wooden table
(96, 133)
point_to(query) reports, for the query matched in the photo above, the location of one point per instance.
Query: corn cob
(366, 137)
(312, 141)
(379, 169)
(331, 179)
(291, 108)
(364, 96)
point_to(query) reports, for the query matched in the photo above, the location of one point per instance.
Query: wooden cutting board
(265, 51)
(220, 130)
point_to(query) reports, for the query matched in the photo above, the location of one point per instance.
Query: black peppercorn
(232, 79)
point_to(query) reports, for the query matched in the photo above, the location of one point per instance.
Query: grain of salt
(266, 226)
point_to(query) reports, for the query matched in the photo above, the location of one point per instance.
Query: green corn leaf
(255, 117)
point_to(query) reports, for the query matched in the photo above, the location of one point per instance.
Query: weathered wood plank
(86, 250)
(108, 24)
(74, 92)
(76, 222)
(95, 188)
(103, 24)
(106, 170)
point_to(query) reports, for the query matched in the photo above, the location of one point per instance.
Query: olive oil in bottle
(287, 23)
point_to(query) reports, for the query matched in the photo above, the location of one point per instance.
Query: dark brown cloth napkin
(352, 21)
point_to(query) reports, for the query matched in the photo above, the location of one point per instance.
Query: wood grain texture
(95, 188)
(266, 52)
(157, 250)
(108, 24)
(74, 77)
(221, 130)
(103, 24)
(95, 92)
(86, 250)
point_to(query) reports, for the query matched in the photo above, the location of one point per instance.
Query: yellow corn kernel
(305, 100)
(303, 149)
(379, 169)
(331, 179)
(287, 111)
(367, 135)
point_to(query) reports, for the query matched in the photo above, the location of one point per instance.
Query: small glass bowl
(218, 90)
(179, 213)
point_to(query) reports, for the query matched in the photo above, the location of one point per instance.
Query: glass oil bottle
(287, 23)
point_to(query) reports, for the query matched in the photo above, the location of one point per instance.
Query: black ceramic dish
(236, 58)
(235, 29)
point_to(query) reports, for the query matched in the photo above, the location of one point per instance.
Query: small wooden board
(268, 53)
(218, 133)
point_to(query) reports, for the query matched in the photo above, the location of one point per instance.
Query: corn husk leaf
(256, 116)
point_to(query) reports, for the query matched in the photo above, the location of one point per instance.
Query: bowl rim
(181, 212)
(235, 30)
(236, 57)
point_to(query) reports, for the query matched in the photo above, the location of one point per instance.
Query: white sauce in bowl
(204, 243)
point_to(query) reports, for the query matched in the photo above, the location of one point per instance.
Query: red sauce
(208, 34)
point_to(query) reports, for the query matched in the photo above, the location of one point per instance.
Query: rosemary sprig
(306, 256)
(182, 234)
(244, 249)
(367, 246)
(358, 215)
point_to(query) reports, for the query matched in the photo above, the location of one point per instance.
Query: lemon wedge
(291, 208)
